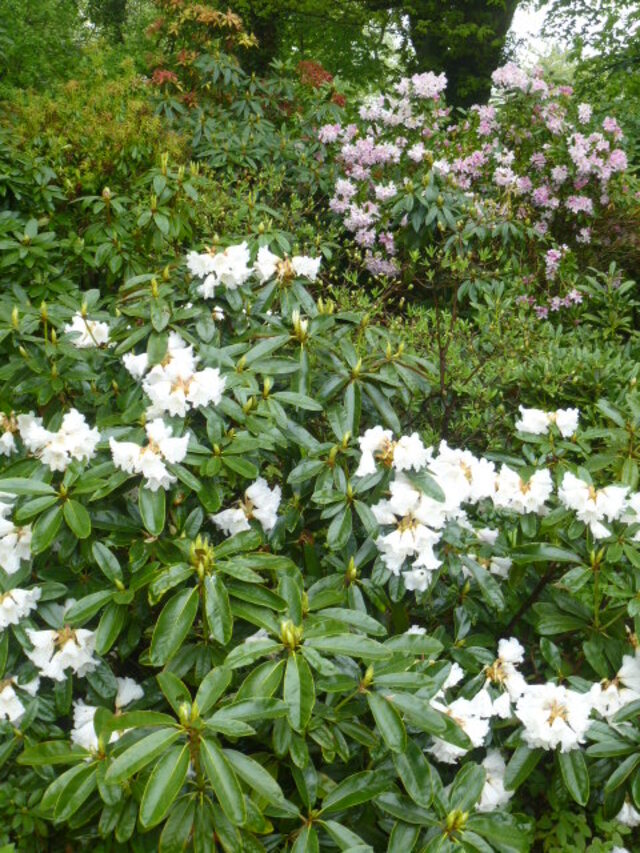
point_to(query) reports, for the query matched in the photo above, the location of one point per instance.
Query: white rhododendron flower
(260, 502)
(150, 460)
(16, 604)
(522, 496)
(628, 815)
(472, 715)
(128, 691)
(8, 427)
(229, 267)
(15, 542)
(504, 673)
(494, 794)
(377, 445)
(268, 264)
(87, 333)
(461, 476)
(376, 441)
(538, 422)
(84, 733)
(137, 365)
(553, 715)
(74, 440)
(592, 506)
(621, 690)
(56, 651)
(175, 386)
(306, 267)
(11, 707)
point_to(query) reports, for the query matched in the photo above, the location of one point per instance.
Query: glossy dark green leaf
(388, 721)
(142, 752)
(77, 518)
(354, 790)
(46, 529)
(173, 625)
(575, 774)
(415, 773)
(223, 781)
(299, 691)
(152, 506)
(218, 609)
(164, 785)
(521, 764)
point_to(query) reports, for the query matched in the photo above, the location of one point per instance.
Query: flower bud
(15, 318)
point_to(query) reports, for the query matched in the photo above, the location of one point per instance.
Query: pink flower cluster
(531, 156)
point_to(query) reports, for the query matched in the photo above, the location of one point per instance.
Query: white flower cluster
(15, 542)
(150, 460)
(87, 333)
(551, 716)
(418, 519)
(175, 386)
(54, 652)
(74, 440)
(16, 604)
(231, 268)
(260, 502)
(537, 422)
(592, 506)
(11, 707)
(8, 427)
(83, 732)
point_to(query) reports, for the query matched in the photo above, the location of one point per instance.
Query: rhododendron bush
(243, 606)
(533, 169)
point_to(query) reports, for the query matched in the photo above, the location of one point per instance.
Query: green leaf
(223, 781)
(299, 692)
(521, 764)
(542, 553)
(388, 721)
(142, 752)
(157, 347)
(46, 529)
(300, 400)
(248, 652)
(241, 466)
(262, 707)
(307, 841)
(355, 619)
(175, 691)
(51, 752)
(489, 587)
(107, 562)
(352, 645)
(575, 775)
(355, 790)
(152, 507)
(25, 486)
(179, 826)
(211, 688)
(77, 518)
(87, 607)
(218, 609)
(415, 772)
(417, 645)
(164, 785)
(467, 787)
(255, 776)
(173, 625)
(75, 793)
(385, 408)
(340, 529)
(112, 621)
(621, 773)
